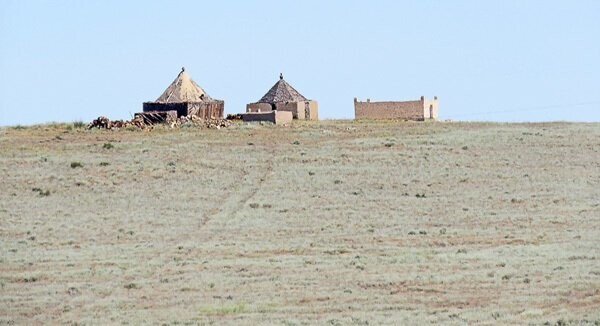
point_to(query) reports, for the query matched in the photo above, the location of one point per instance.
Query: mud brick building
(418, 110)
(186, 98)
(275, 117)
(283, 97)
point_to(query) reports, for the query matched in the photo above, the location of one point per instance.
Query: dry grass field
(335, 222)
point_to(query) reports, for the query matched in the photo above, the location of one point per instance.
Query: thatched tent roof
(282, 92)
(183, 89)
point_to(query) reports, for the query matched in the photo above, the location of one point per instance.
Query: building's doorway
(306, 111)
(431, 112)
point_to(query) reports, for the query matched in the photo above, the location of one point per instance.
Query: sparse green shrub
(337, 182)
(236, 308)
(75, 165)
(73, 291)
(334, 322)
(254, 205)
(461, 251)
(562, 322)
(131, 286)
(388, 144)
(104, 163)
(108, 146)
(311, 173)
(79, 124)
(296, 142)
(336, 251)
(42, 193)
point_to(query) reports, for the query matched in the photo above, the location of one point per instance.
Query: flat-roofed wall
(410, 110)
(258, 107)
(276, 117)
(303, 110)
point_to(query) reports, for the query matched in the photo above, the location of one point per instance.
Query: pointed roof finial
(280, 75)
(282, 92)
(183, 89)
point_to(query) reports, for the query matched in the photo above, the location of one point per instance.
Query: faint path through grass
(253, 178)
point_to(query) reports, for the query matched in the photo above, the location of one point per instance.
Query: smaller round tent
(283, 97)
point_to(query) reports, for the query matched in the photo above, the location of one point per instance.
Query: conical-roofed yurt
(186, 98)
(283, 97)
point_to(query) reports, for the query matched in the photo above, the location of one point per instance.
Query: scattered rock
(139, 123)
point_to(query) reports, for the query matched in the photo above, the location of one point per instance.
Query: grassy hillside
(335, 222)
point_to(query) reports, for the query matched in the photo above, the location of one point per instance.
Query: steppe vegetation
(332, 222)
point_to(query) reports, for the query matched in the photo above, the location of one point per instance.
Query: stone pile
(105, 123)
(236, 116)
(101, 123)
(218, 123)
(140, 123)
(194, 121)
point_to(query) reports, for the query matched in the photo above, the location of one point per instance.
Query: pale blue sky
(486, 60)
